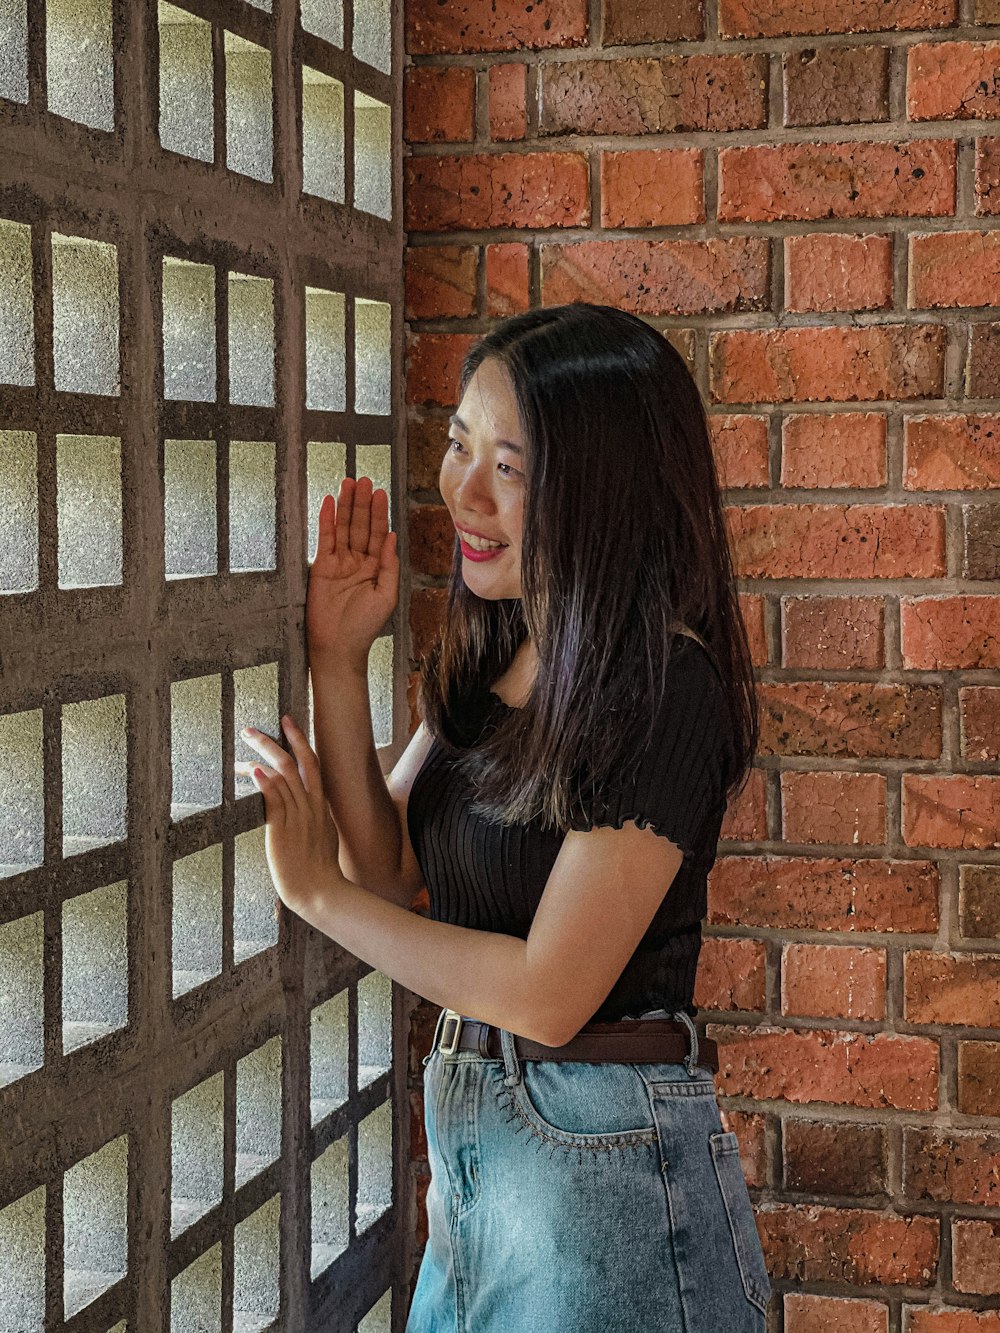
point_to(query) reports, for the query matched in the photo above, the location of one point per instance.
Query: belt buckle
(450, 1017)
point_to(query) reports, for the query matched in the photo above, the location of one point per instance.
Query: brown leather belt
(631, 1041)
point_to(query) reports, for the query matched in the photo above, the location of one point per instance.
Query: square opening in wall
(328, 1056)
(197, 1143)
(379, 1317)
(326, 468)
(374, 1027)
(95, 1225)
(249, 114)
(22, 805)
(330, 1204)
(18, 512)
(196, 1295)
(255, 704)
(251, 340)
(17, 305)
(14, 50)
(94, 774)
(22, 1274)
(373, 33)
(188, 331)
(374, 1165)
(322, 135)
(372, 357)
(190, 537)
(255, 926)
(375, 461)
(324, 18)
(79, 59)
(22, 1047)
(186, 85)
(326, 358)
(89, 504)
(251, 505)
(380, 688)
(256, 1268)
(85, 315)
(94, 965)
(195, 745)
(196, 933)
(258, 1110)
(372, 155)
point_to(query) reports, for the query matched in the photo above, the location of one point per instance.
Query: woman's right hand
(354, 575)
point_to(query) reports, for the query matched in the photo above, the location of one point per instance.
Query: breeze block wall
(803, 198)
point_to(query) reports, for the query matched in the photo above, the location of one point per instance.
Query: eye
(510, 471)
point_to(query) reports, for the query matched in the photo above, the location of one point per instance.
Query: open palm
(354, 575)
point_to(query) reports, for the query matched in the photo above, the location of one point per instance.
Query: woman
(587, 711)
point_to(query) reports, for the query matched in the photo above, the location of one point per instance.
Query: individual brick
(952, 1166)
(508, 84)
(959, 452)
(987, 11)
(507, 279)
(827, 271)
(821, 364)
(954, 268)
(948, 633)
(627, 23)
(428, 609)
(941, 1320)
(979, 901)
(440, 281)
(439, 104)
(833, 807)
(745, 819)
(981, 541)
(771, 182)
(809, 1243)
(659, 277)
(953, 80)
(824, 893)
(785, 18)
(834, 1158)
(975, 1256)
(652, 187)
(862, 541)
(979, 1077)
(432, 539)
(654, 96)
(959, 989)
(833, 449)
(477, 190)
(833, 1314)
(842, 1068)
(832, 981)
(731, 974)
(740, 446)
(504, 25)
(751, 1130)
(426, 440)
(958, 811)
(850, 719)
(836, 85)
(987, 179)
(983, 371)
(434, 366)
(838, 633)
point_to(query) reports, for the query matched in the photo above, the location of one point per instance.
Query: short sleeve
(681, 779)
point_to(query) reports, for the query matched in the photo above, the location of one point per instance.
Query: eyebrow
(456, 420)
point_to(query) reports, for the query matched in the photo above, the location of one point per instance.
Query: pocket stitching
(519, 1103)
(725, 1146)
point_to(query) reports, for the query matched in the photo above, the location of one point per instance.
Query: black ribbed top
(489, 877)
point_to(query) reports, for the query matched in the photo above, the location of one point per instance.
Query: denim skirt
(575, 1197)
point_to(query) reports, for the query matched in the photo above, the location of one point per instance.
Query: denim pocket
(587, 1105)
(749, 1253)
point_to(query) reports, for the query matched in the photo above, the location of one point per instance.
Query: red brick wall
(803, 199)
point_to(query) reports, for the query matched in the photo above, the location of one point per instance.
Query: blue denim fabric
(573, 1197)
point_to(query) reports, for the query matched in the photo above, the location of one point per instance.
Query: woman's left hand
(300, 838)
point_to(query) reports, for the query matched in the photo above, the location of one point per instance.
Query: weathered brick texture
(802, 197)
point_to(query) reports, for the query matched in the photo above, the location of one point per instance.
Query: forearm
(367, 821)
(475, 972)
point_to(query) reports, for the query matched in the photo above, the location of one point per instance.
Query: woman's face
(482, 481)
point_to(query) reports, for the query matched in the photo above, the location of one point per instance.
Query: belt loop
(434, 1041)
(510, 1061)
(691, 1059)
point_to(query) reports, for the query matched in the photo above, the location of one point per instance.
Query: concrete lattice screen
(200, 280)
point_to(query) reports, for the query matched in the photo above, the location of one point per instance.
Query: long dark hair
(623, 539)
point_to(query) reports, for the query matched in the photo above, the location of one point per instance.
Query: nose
(474, 490)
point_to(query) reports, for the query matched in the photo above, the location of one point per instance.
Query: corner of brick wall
(804, 201)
